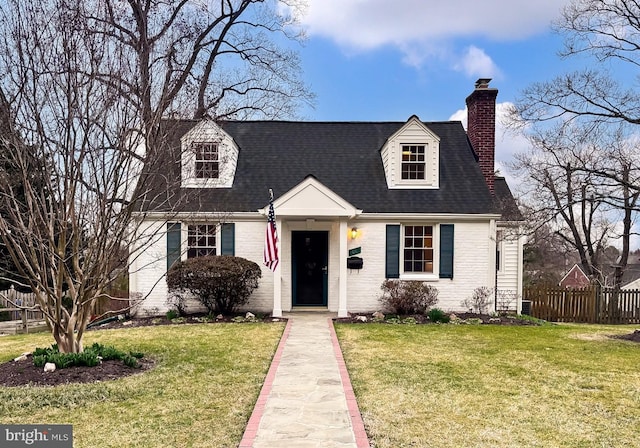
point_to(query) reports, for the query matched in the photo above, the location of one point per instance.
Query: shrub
(437, 315)
(408, 297)
(178, 305)
(221, 283)
(479, 300)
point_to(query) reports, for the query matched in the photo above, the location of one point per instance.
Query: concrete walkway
(307, 399)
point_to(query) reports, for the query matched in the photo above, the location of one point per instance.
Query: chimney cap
(483, 83)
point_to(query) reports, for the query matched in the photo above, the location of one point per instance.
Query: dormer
(209, 157)
(411, 157)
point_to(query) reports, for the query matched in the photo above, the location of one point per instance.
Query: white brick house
(414, 200)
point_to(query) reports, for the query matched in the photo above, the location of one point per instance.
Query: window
(201, 240)
(499, 238)
(413, 162)
(418, 249)
(207, 160)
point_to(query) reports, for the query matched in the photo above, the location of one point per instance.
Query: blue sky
(387, 60)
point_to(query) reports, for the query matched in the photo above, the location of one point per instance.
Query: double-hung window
(414, 162)
(201, 240)
(418, 249)
(207, 161)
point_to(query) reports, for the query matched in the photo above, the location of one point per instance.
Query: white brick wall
(146, 274)
(472, 268)
(473, 264)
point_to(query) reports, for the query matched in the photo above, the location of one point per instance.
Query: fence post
(25, 322)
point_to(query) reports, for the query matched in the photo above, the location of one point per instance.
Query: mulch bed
(634, 337)
(22, 373)
(191, 319)
(421, 319)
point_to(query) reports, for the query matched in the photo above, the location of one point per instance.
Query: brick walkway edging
(251, 430)
(362, 441)
(354, 412)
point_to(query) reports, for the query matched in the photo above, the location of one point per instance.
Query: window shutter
(446, 250)
(392, 259)
(228, 239)
(173, 243)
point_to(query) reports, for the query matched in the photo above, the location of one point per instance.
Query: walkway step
(307, 399)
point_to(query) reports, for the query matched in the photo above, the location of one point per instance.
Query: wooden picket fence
(586, 305)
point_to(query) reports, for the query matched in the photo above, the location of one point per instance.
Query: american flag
(271, 240)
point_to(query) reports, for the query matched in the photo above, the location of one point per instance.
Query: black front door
(309, 257)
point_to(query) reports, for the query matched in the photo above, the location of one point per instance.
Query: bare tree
(584, 123)
(576, 182)
(88, 86)
(609, 31)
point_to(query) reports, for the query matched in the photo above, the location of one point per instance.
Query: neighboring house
(414, 200)
(631, 277)
(575, 278)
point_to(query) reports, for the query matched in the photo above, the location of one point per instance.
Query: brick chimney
(481, 127)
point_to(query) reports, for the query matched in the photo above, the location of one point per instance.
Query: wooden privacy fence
(10, 298)
(587, 305)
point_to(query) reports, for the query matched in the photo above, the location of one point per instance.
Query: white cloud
(475, 62)
(366, 24)
(428, 30)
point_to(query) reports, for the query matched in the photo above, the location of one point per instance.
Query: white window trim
(215, 145)
(185, 237)
(422, 276)
(425, 155)
(431, 180)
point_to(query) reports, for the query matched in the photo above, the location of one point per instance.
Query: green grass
(200, 394)
(493, 386)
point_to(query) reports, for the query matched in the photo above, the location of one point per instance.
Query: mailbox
(354, 263)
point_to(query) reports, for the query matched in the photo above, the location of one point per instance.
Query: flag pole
(272, 258)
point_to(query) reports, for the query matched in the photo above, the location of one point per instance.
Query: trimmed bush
(221, 283)
(437, 315)
(408, 297)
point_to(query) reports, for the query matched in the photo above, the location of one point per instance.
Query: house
(413, 200)
(575, 278)
(631, 276)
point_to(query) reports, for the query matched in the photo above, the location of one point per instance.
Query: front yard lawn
(495, 386)
(200, 394)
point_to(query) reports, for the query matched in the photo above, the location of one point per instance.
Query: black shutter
(446, 250)
(228, 239)
(173, 243)
(392, 260)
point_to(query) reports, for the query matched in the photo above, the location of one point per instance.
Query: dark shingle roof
(505, 202)
(344, 156)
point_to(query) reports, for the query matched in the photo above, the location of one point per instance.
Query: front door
(310, 253)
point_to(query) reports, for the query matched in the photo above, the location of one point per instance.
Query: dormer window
(207, 161)
(411, 157)
(209, 157)
(413, 162)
